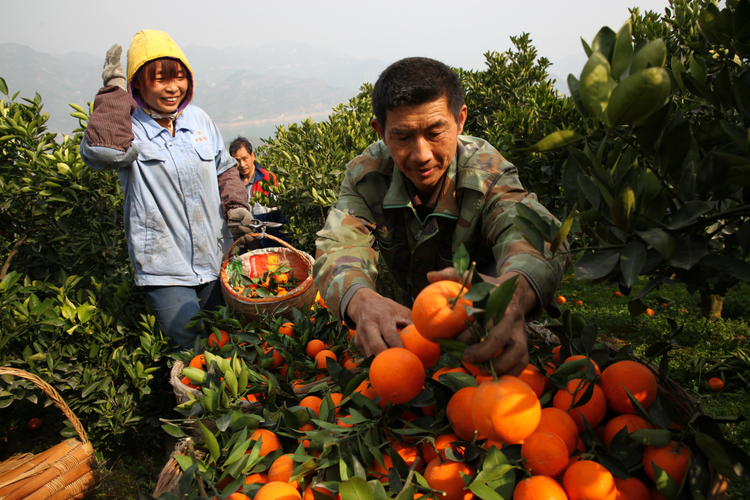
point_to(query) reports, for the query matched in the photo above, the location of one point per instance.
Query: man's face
(422, 140)
(245, 162)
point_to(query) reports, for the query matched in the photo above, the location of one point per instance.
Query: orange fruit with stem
(539, 488)
(446, 476)
(314, 347)
(506, 410)
(561, 425)
(459, 413)
(593, 410)
(321, 359)
(397, 375)
(278, 490)
(426, 350)
(630, 375)
(198, 361)
(587, 480)
(674, 459)
(544, 454)
(436, 315)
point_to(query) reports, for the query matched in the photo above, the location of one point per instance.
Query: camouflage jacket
(476, 207)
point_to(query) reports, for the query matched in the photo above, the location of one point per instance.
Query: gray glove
(244, 217)
(113, 73)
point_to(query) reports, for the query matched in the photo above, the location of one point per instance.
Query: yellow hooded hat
(148, 45)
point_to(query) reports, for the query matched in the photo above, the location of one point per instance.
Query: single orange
(560, 424)
(673, 459)
(287, 329)
(427, 351)
(281, 470)
(561, 300)
(533, 377)
(269, 441)
(556, 353)
(593, 410)
(278, 359)
(506, 410)
(716, 384)
(314, 347)
(321, 359)
(539, 488)
(587, 480)
(639, 380)
(650, 312)
(632, 488)
(435, 315)
(218, 343)
(278, 490)
(459, 413)
(579, 303)
(544, 454)
(397, 375)
(312, 402)
(34, 424)
(198, 361)
(632, 422)
(618, 294)
(446, 476)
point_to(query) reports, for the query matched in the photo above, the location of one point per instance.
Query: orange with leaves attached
(674, 459)
(434, 313)
(218, 343)
(593, 410)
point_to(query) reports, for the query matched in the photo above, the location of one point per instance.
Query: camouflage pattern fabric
(476, 207)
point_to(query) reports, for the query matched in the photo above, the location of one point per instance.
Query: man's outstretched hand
(508, 335)
(378, 320)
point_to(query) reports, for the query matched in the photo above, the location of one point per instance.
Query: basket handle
(53, 395)
(277, 240)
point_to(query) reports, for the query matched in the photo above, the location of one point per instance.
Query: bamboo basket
(66, 471)
(254, 264)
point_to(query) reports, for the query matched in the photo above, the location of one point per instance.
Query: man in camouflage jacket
(416, 196)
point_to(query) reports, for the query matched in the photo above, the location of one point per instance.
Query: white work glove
(113, 73)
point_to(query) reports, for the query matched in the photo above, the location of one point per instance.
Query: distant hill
(245, 91)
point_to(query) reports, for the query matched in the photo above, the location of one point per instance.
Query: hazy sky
(386, 29)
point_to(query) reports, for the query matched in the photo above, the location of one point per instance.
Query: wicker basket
(254, 264)
(66, 471)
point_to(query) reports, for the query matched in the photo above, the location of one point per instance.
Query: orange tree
(660, 179)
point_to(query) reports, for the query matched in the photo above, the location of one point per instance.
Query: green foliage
(68, 308)
(661, 177)
(513, 104)
(310, 159)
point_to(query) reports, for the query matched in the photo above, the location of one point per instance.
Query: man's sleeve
(345, 256)
(231, 188)
(512, 252)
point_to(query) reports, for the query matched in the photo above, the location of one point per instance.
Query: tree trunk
(712, 299)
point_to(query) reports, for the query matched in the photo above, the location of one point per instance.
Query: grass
(699, 340)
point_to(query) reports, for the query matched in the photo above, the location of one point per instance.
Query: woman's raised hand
(113, 73)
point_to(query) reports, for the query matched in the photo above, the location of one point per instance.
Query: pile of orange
(273, 283)
(558, 456)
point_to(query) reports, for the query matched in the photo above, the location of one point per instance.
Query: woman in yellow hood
(179, 182)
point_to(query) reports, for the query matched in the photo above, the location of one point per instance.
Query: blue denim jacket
(173, 219)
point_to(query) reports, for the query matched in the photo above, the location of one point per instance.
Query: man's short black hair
(416, 80)
(240, 142)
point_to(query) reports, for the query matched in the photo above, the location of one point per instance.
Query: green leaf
(498, 301)
(697, 70)
(652, 437)
(638, 96)
(632, 259)
(3, 87)
(718, 456)
(596, 84)
(211, 443)
(660, 240)
(636, 307)
(355, 488)
(726, 264)
(530, 233)
(556, 140)
(173, 430)
(604, 41)
(666, 486)
(651, 55)
(622, 208)
(623, 49)
(595, 265)
(688, 213)
(690, 250)
(461, 260)
(562, 234)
